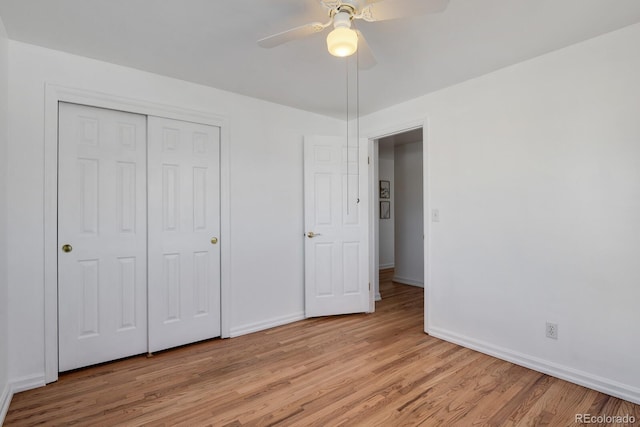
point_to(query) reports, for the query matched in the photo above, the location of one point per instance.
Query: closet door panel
(102, 235)
(184, 225)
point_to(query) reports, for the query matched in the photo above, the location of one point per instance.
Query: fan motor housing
(347, 6)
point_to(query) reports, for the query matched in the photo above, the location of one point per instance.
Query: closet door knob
(67, 248)
(214, 240)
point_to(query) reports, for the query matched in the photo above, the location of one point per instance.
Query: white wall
(386, 228)
(266, 191)
(4, 303)
(409, 220)
(535, 170)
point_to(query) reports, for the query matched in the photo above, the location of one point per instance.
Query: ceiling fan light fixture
(342, 41)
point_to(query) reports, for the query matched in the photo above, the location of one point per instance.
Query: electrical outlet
(552, 330)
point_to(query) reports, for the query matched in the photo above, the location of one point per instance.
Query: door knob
(67, 248)
(311, 234)
(214, 240)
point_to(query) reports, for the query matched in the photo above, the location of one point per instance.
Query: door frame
(374, 223)
(53, 95)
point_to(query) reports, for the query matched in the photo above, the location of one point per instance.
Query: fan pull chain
(348, 158)
(358, 117)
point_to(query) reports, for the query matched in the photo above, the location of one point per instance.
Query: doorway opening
(399, 205)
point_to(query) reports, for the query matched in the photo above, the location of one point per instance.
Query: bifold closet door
(184, 226)
(102, 240)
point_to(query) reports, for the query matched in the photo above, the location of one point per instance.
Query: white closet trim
(55, 94)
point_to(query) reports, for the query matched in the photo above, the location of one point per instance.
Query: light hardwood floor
(356, 370)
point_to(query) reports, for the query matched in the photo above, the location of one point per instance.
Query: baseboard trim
(586, 379)
(27, 383)
(267, 324)
(407, 281)
(378, 296)
(386, 266)
(16, 386)
(5, 401)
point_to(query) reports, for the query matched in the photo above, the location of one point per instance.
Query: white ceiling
(213, 42)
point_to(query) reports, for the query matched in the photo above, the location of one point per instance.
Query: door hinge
(369, 286)
(368, 160)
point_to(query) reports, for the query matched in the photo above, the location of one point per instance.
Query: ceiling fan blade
(366, 59)
(379, 10)
(292, 34)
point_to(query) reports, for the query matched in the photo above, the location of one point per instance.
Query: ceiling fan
(343, 40)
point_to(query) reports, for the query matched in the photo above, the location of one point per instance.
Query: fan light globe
(342, 42)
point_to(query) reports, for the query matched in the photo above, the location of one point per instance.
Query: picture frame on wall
(385, 189)
(385, 210)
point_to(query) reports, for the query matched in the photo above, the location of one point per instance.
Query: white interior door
(336, 224)
(102, 235)
(184, 225)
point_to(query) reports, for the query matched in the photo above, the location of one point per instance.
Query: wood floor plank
(376, 369)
